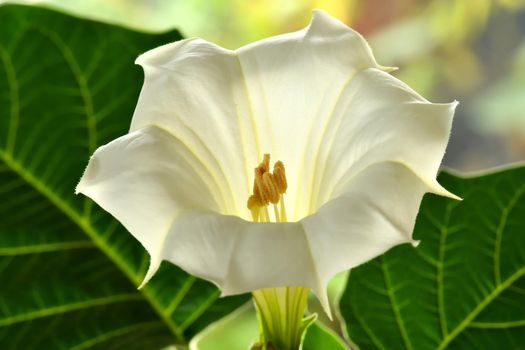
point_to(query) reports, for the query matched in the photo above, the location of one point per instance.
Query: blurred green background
(469, 50)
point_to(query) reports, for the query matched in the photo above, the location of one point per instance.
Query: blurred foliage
(446, 49)
(469, 51)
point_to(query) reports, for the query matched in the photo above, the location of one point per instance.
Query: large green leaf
(68, 271)
(463, 287)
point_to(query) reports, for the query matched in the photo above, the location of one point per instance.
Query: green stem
(280, 312)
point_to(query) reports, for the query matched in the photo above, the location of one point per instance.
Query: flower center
(268, 188)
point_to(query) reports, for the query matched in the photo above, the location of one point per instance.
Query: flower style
(359, 149)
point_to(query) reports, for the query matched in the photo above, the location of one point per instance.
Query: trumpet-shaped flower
(357, 150)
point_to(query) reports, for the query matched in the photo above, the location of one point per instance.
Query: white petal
(146, 179)
(375, 212)
(240, 256)
(230, 107)
(378, 119)
(294, 81)
(194, 89)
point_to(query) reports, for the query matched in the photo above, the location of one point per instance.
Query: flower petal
(294, 80)
(241, 256)
(146, 179)
(194, 90)
(375, 212)
(231, 107)
(378, 118)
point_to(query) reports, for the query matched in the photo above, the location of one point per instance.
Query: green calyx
(280, 312)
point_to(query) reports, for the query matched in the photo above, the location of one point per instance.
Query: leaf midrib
(396, 309)
(45, 248)
(500, 230)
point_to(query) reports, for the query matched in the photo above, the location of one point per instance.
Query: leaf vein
(54, 310)
(499, 232)
(393, 303)
(480, 307)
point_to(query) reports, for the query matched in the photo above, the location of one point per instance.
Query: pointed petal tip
(148, 56)
(138, 60)
(81, 186)
(322, 296)
(142, 59)
(441, 191)
(152, 269)
(453, 196)
(453, 105)
(151, 57)
(142, 284)
(321, 20)
(388, 69)
(160, 54)
(319, 14)
(323, 23)
(448, 194)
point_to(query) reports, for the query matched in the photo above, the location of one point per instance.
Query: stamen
(259, 186)
(280, 177)
(268, 188)
(283, 210)
(254, 204)
(266, 162)
(265, 216)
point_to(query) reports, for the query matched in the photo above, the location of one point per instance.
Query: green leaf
(463, 287)
(68, 270)
(319, 337)
(237, 331)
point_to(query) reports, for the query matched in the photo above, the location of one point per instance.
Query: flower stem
(280, 312)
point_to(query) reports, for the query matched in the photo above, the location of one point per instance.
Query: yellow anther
(280, 177)
(266, 162)
(270, 188)
(253, 202)
(259, 186)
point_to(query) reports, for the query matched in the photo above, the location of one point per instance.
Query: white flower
(360, 149)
